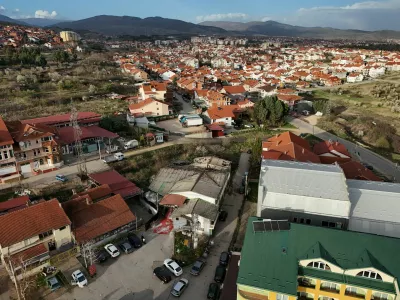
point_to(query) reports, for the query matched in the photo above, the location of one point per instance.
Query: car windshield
(81, 278)
(178, 269)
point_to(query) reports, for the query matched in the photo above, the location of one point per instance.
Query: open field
(29, 92)
(368, 113)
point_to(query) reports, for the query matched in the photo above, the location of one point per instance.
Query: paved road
(379, 163)
(130, 276)
(187, 107)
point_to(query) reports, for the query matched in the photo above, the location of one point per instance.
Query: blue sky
(378, 14)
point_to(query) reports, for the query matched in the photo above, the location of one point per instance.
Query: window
(325, 224)
(11, 153)
(308, 221)
(62, 228)
(37, 142)
(329, 286)
(331, 224)
(34, 152)
(282, 297)
(319, 265)
(47, 138)
(158, 108)
(1, 156)
(5, 154)
(378, 295)
(41, 161)
(295, 220)
(54, 149)
(45, 234)
(370, 274)
(46, 149)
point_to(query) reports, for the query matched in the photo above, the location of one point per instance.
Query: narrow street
(187, 106)
(359, 153)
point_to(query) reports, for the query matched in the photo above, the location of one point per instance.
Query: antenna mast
(82, 169)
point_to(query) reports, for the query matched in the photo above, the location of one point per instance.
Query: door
(49, 162)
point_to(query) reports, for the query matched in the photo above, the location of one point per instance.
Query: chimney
(302, 151)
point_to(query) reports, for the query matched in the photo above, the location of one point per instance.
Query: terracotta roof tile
(97, 192)
(173, 200)
(14, 203)
(234, 89)
(29, 253)
(100, 218)
(31, 221)
(5, 136)
(221, 112)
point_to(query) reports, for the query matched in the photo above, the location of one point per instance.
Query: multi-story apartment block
(8, 167)
(36, 149)
(282, 261)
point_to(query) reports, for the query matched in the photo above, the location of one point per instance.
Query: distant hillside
(40, 22)
(114, 25)
(9, 20)
(272, 28)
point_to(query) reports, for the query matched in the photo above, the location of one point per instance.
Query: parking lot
(130, 276)
(175, 126)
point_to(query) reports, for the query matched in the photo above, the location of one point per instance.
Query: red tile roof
(173, 200)
(82, 118)
(5, 136)
(29, 253)
(221, 112)
(234, 89)
(66, 134)
(31, 221)
(288, 137)
(76, 204)
(355, 170)
(23, 132)
(101, 217)
(14, 203)
(97, 192)
(118, 184)
(330, 147)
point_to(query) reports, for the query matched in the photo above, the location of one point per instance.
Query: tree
(88, 253)
(40, 60)
(92, 89)
(20, 273)
(270, 110)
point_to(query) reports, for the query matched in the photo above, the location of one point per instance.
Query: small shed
(216, 130)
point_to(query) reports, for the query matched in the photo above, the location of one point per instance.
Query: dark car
(126, 247)
(220, 274)
(223, 215)
(224, 258)
(102, 256)
(197, 267)
(162, 274)
(135, 241)
(213, 291)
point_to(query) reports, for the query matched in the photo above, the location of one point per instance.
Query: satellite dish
(21, 144)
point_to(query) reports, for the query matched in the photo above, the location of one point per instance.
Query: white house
(222, 115)
(355, 78)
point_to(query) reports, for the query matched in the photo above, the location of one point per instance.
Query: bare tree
(23, 281)
(88, 253)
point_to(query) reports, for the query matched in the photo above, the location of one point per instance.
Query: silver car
(179, 287)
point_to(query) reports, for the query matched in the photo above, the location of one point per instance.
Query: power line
(82, 168)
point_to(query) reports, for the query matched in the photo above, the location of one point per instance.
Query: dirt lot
(174, 126)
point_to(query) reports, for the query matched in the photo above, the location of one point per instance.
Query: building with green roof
(282, 261)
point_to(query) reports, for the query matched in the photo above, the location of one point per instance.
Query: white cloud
(2, 8)
(366, 15)
(44, 14)
(265, 19)
(223, 17)
(16, 10)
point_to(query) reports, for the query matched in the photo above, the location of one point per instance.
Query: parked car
(242, 189)
(79, 278)
(53, 284)
(112, 250)
(135, 241)
(162, 274)
(220, 272)
(173, 267)
(213, 291)
(102, 256)
(179, 287)
(248, 125)
(126, 247)
(197, 267)
(224, 258)
(61, 178)
(305, 113)
(223, 215)
(369, 167)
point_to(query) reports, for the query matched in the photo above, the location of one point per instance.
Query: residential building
(195, 215)
(150, 107)
(8, 166)
(29, 236)
(14, 204)
(223, 115)
(36, 149)
(84, 119)
(297, 261)
(154, 89)
(99, 222)
(330, 152)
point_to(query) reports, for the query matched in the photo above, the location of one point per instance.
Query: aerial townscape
(226, 150)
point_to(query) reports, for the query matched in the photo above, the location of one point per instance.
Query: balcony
(32, 157)
(305, 282)
(7, 161)
(356, 295)
(330, 289)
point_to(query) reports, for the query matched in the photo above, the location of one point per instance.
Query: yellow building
(282, 261)
(69, 36)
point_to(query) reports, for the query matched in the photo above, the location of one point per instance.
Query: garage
(26, 168)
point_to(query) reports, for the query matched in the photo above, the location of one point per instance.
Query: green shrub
(383, 143)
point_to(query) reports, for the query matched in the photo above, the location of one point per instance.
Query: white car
(112, 250)
(173, 267)
(79, 278)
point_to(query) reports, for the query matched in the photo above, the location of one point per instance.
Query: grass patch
(288, 126)
(396, 157)
(252, 196)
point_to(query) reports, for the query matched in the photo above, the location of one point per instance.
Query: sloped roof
(14, 203)
(225, 111)
(49, 120)
(318, 251)
(264, 265)
(173, 200)
(5, 136)
(286, 138)
(329, 146)
(100, 218)
(31, 221)
(117, 183)
(96, 192)
(66, 134)
(234, 89)
(355, 170)
(22, 132)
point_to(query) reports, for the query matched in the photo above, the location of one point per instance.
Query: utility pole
(82, 168)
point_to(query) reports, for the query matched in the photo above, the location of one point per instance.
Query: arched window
(370, 274)
(319, 265)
